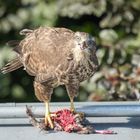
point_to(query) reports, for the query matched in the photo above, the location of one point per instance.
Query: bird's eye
(77, 38)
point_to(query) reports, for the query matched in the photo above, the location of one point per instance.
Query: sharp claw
(50, 123)
(48, 120)
(73, 110)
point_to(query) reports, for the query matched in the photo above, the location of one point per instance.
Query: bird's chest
(84, 64)
(85, 70)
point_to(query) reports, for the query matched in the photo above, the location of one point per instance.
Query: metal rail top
(91, 109)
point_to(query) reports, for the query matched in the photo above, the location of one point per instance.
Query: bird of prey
(54, 56)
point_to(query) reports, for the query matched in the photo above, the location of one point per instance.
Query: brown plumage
(55, 56)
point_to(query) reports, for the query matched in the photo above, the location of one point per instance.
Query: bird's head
(84, 41)
(84, 47)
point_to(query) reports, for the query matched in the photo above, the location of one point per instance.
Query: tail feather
(11, 66)
(13, 43)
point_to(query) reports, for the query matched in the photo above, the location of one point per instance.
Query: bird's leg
(48, 116)
(43, 92)
(72, 108)
(72, 89)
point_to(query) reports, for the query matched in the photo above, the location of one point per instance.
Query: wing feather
(11, 66)
(45, 78)
(47, 48)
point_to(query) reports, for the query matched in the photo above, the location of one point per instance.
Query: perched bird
(55, 56)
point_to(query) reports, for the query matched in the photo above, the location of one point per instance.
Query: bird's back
(45, 49)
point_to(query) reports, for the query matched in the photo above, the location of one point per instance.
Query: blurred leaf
(18, 92)
(108, 37)
(136, 60)
(6, 54)
(75, 9)
(111, 21)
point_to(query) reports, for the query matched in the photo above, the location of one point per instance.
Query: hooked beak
(83, 46)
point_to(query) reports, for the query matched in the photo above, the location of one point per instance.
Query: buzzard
(54, 56)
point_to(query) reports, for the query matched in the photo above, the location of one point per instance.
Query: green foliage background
(115, 25)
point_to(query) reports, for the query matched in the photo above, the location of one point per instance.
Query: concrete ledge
(17, 126)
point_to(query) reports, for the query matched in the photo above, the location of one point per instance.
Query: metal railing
(91, 109)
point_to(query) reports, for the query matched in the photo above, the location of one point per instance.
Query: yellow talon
(48, 116)
(72, 108)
